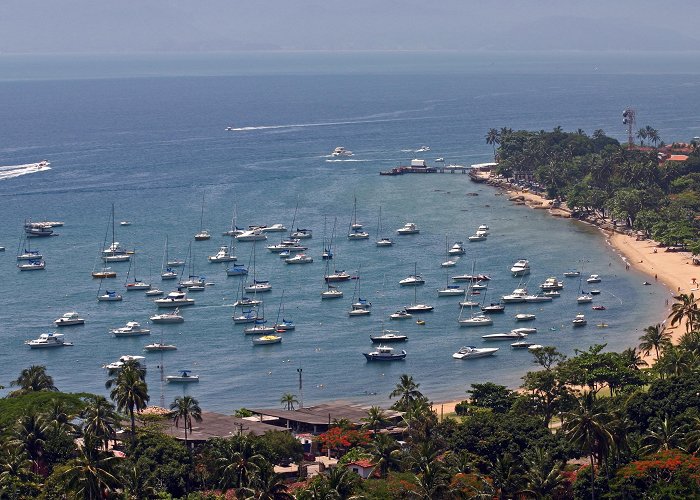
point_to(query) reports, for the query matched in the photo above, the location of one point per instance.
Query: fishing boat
(169, 317)
(471, 352)
(183, 378)
(69, 319)
(384, 353)
(131, 329)
(203, 234)
(46, 340)
(382, 241)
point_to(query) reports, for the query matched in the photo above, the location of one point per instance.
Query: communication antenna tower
(629, 119)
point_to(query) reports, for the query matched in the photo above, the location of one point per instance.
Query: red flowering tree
(666, 474)
(340, 439)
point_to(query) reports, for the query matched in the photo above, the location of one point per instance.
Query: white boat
(258, 286)
(517, 295)
(484, 228)
(168, 274)
(331, 293)
(384, 353)
(440, 160)
(288, 246)
(169, 317)
(341, 151)
(267, 340)
(593, 278)
(538, 298)
(478, 236)
(109, 296)
(284, 325)
(337, 276)
(202, 234)
(183, 378)
(299, 259)
(125, 223)
(69, 319)
(579, 320)
(175, 263)
(37, 230)
(552, 293)
(534, 347)
(457, 249)
(382, 241)
(525, 330)
(449, 263)
(524, 317)
(358, 234)
(412, 280)
(114, 252)
(471, 277)
(274, 228)
(260, 327)
(32, 265)
(522, 344)
(504, 336)
(131, 329)
(154, 292)
(476, 320)
(251, 235)
(48, 340)
(520, 268)
(28, 253)
(158, 346)
(388, 336)
(176, 298)
(302, 234)
(493, 308)
(584, 299)
(359, 311)
(408, 228)
(117, 365)
(359, 306)
(468, 303)
(246, 316)
(451, 291)
(247, 302)
(223, 255)
(402, 314)
(470, 352)
(137, 284)
(105, 272)
(552, 283)
(422, 149)
(572, 274)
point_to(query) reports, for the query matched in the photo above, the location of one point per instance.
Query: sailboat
(203, 234)
(25, 252)
(285, 324)
(382, 241)
(257, 286)
(331, 291)
(449, 262)
(194, 282)
(104, 271)
(107, 296)
(115, 253)
(359, 307)
(328, 249)
(136, 284)
(356, 232)
(415, 307)
(166, 270)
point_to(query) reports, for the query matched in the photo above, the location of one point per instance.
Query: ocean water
(148, 136)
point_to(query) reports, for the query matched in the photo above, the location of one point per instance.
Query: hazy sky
(29, 26)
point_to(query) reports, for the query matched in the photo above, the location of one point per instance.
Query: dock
(421, 167)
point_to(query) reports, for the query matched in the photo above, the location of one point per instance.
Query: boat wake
(10, 171)
(306, 125)
(334, 160)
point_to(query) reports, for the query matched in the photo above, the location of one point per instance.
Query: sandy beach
(673, 270)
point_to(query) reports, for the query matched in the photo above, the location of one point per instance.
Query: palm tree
(91, 476)
(507, 476)
(692, 438)
(493, 137)
(542, 474)
(15, 464)
(34, 379)
(641, 135)
(376, 418)
(598, 133)
(30, 433)
(58, 418)
(586, 428)
(432, 482)
(129, 391)
(685, 309)
(289, 400)
(185, 408)
(386, 453)
(138, 482)
(238, 461)
(655, 337)
(343, 481)
(99, 420)
(632, 358)
(407, 392)
(267, 485)
(661, 436)
(676, 362)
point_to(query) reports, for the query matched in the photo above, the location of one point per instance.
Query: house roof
(218, 425)
(677, 158)
(364, 463)
(324, 413)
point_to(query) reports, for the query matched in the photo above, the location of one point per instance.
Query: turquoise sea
(147, 134)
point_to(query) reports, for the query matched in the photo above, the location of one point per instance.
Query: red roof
(364, 463)
(677, 158)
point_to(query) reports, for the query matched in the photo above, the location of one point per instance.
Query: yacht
(32, 265)
(493, 308)
(422, 149)
(520, 268)
(408, 228)
(538, 298)
(418, 308)
(287, 246)
(552, 293)
(259, 328)
(593, 278)
(267, 340)
(450, 291)
(131, 329)
(274, 228)
(251, 235)
(168, 274)
(402, 314)
(477, 320)
(48, 340)
(176, 298)
(484, 228)
(358, 234)
(522, 344)
(524, 317)
(517, 295)
(412, 280)
(258, 286)
(341, 151)
(525, 330)
(137, 286)
(30, 255)
(115, 253)
(125, 223)
(471, 277)
(69, 319)
(246, 316)
(169, 317)
(579, 320)
(572, 274)
(302, 234)
(388, 336)
(457, 249)
(552, 283)
(202, 235)
(223, 255)
(359, 310)
(469, 352)
(384, 242)
(300, 258)
(384, 353)
(504, 336)
(337, 276)
(449, 263)
(584, 299)
(247, 302)
(236, 270)
(117, 365)
(478, 236)
(331, 293)
(154, 292)
(183, 378)
(109, 296)
(175, 263)
(158, 346)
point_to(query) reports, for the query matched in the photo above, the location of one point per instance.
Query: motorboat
(520, 268)
(109, 296)
(551, 283)
(535, 347)
(258, 286)
(584, 299)
(525, 330)
(131, 329)
(412, 280)
(450, 291)
(154, 292)
(476, 320)
(302, 234)
(104, 273)
(408, 228)
(158, 346)
(484, 228)
(538, 298)
(471, 277)
(341, 151)
(517, 295)
(169, 317)
(274, 228)
(383, 242)
(493, 308)
(284, 326)
(69, 319)
(504, 336)
(288, 246)
(48, 340)
(125, 223)
(468, 303)
(422, 149)
(479, 286)
(457, 249)
(259, 328)
(176, 298)
(127, 358)
(579, 320)
(32, 265)
(300, 258)
(572, 274)
(552, 293)
(470, 352)
(478, 236)
(522, 344)
(175, 263)
(593, 278)
(440, 160)
(37, 230)
(183, 378)
(599, 307)
(192, 281)
(236, 270)
(115, 253)
(524, 317)
(418, 308)
(267, 340)
(358, 234)
(337, 276)
(388, 336)
(449, 263)
(403, 314)
(595, 292)
(223, 255)
(202, 235)
(251, 235)
(384, 353)
(331, 293)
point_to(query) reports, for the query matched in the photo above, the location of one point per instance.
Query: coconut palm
(632, 359)
(493, 137)
(655, 337)
(641, 135)
(138, 482)
(238, 461)
(407, 392)
(507, 476)
(185, 408)
(30, 434)
(375, 419)
(685, 309)
(386, 453)
(543, 474)
(99, 421)
(676, 362)
(58, 418)
(129, 391)
(267, 485)
(343, 481)
(432, 482)
(33, 379)
(91, 475)
(289, 400)
(692, 438)
(15, 464)
(661, 436)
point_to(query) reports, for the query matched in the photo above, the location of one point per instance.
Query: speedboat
(236, 270)
(593, 278)
(337, 276)
(493, 308)
(469, 352)
(184, 377)
(517, 295)
(408, 228)
(109, 296)
(538, 298)
(176, 298)
(504, 336)
(32, 265)
(584, 299)
(524, 330)
(595, 292)
(223, 255)
(202, 235)
(117, 365)
(170, 317)
(384, 353)
(274, 228)
(154, 292)
(451, 290)
(520, 268)
(131, 329)
(422, 149)
(535, 347)
(457, 249)
(552, 283)
(477, 320)
(524, 317)
(69, 319)
(104, 273)
(125, 223)
(418, 308)
(300, 258)
(579, 320)
(412, 280)
(599, 307)
(48, 340)
(388, 336)
(384, 242)
(258, 286)
(302, 234)
(358, 234)
(572, 274)
(471, 277)
(341, 151)
(403, 314)
(251, 235)
(484, 228)
(522, 344)
(449, 263)
(158, 346)
(331, 293)
(478, 236)
(267, 339)
(440, 160)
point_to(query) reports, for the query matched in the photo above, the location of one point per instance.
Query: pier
(421, 167)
